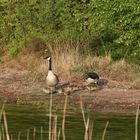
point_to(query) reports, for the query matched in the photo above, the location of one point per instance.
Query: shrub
(104, 26)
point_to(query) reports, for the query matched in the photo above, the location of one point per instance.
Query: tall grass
(136, 123)
(104, 132)
(69, 62)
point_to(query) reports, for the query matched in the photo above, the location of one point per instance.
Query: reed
(34, 132)
(19, 135)
(82, 109)
(58, 135)
(41, 133)
(104, 132)
(136, 123)
(87, 129)
(64, 117)
(55, 131)
(50, 116)
(28, 134)
(87, 123)
(3, 133)
(6, 126)
(1, 127)
(0, 134)
(91, 130)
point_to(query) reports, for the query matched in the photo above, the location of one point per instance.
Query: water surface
(26, 119)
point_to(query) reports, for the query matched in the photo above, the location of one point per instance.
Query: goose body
(51, 78)
(91, 77)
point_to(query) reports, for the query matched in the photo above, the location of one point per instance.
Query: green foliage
(77, 69)
(1, 61)
(105, 26)
(15, 46)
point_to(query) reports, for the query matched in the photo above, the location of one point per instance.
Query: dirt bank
(14, 83)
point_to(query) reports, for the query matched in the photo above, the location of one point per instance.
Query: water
(26, 119)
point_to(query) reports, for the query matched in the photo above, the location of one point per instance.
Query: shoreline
(14, 85)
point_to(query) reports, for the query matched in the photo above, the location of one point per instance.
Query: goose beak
(45, 57)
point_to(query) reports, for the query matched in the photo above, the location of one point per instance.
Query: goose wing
(56, 78)
(91, 75)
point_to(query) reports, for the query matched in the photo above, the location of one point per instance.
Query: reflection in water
(26, 120)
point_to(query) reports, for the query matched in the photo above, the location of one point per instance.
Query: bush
(104, 26)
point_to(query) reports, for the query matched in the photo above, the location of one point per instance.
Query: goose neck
(50, 64)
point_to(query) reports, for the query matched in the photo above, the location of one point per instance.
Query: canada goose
(51, 79)
(91, 77)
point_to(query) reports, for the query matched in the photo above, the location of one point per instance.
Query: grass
(69, 62)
